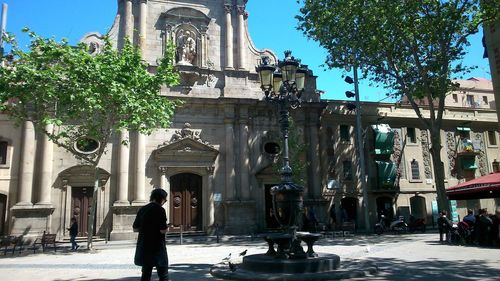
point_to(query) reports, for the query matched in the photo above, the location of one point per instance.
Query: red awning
(483, 187)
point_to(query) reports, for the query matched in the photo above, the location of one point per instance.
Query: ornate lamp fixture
(283, 84)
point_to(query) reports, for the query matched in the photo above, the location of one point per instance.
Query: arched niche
(187, 29)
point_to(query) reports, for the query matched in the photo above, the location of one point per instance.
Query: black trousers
(161, 270)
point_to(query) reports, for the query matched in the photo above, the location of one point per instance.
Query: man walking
(73, 232)
(151, 223)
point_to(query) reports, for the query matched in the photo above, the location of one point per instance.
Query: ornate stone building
(216, 161)
(400, 172)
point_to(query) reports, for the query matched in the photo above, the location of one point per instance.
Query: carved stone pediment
(186, 152)
(82, 175)
(186, 15)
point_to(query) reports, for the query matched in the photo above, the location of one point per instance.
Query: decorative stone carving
(187, 28)
(94, 41)
(426, 154)
(210, 170)
(452, 153)
(397, 155)
(241, 11)
(483, 166)
(186, 132)
(163, 170)
(186, 47)
(210, 75)
(228, 8)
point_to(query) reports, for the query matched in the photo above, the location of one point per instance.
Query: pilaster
(228, 8)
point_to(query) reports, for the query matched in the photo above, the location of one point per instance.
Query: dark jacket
(73, 230)
(444, 223)
(151, 249)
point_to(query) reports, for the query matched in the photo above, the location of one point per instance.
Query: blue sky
(271, 27)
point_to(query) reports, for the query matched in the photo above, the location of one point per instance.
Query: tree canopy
(413, 48)
(85, 94)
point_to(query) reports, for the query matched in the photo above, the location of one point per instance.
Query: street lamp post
(283, 84)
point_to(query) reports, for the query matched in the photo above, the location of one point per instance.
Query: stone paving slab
(405, 257)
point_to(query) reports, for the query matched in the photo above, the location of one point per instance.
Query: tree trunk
(93, 207)
(438, 166)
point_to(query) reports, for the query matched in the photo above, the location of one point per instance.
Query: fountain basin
(269, 264)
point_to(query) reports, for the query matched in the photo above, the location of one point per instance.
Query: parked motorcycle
(397, 226)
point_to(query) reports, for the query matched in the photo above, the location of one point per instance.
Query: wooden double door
(185, 202)
(81, 201)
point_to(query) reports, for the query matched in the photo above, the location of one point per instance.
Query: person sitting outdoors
(470, 219)
(495, 233)
(484, 228)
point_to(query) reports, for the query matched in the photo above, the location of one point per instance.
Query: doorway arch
(418, 207)
(385, 207)
(350, 205)
(3, 211)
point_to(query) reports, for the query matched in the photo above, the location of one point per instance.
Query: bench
(45, 241)
(348, 228)
(10, 243)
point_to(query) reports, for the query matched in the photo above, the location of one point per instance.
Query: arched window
(3, 152)
(415, 170)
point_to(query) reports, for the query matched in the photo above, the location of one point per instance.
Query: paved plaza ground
(399, 257)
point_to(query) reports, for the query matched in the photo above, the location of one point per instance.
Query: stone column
(165, 185)
(164, 180)
(27, 166)
(123, 169)
(312, 125)
(142, 26)
(229, 149)
(129, 21)
(229, 36)
(46, 158)
(241, 37)
(210, 199)
(244, 157)
(140, 170)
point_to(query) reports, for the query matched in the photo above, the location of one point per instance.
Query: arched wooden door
(81, 202)
(418, 207)
(185, 202)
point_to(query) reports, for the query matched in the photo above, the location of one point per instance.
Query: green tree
(86, 98)
(413, 48)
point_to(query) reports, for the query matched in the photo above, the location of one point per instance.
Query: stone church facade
(216, 159)
(212, 161)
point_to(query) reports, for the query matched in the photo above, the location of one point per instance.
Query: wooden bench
(45, 241)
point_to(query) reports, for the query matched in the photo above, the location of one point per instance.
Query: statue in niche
(186, 47)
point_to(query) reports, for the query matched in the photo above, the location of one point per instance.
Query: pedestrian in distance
(73, 232)
(444, 225)
(151, 223)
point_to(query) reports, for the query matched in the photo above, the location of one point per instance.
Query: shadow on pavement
(186, 272)
(433, 269)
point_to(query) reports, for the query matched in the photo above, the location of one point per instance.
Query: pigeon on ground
(232, 267)
(243, 253)
(227, 258)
